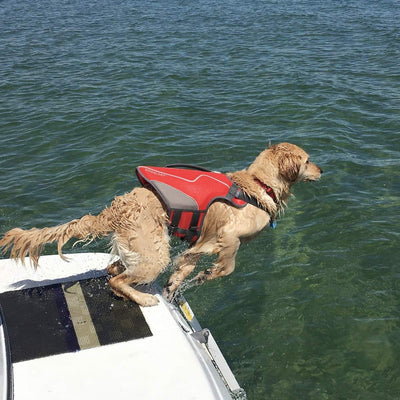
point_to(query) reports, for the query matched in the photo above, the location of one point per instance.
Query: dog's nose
(320, 171)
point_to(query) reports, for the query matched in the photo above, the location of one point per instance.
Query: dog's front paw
(168, 292)
(203, 276)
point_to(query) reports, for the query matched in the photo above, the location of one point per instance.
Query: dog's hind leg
(121, 287)
(144, 252)
(145, 268)
(142, 243)
(144, 262)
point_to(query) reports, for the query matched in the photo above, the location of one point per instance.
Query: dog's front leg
(184, 266)
(226, 261)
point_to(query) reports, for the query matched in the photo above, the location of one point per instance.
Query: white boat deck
(169, 364)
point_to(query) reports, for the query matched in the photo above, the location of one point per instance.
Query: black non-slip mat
(39, 322)
(108, 311)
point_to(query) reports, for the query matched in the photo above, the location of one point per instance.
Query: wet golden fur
(138, 224)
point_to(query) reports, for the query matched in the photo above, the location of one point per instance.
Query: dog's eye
(308, 161)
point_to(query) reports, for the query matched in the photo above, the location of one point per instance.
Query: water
(91, 90)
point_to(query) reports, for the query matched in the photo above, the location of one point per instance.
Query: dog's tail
(31, 242)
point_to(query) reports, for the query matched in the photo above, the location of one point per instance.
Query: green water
(88, 91)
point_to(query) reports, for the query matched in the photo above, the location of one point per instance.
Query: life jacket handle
(188, 166)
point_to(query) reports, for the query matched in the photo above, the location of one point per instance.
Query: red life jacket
(188, 193)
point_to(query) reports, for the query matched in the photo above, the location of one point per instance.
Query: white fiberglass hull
(96, 354)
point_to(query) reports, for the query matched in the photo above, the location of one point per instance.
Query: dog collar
(268, 189)
(270, 192)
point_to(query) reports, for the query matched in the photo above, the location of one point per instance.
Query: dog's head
(285, 162)
(294, 163)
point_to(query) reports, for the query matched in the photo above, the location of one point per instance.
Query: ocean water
(90, 90)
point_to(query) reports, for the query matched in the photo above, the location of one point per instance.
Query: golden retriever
(138, 224)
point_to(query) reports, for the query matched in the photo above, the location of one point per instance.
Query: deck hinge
(202, 336)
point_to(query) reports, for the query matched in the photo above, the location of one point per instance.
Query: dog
(138, 223)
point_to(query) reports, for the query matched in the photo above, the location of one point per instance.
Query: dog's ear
(289, 166)
(288, 162)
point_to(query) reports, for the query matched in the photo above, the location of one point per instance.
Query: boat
(63, 335)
